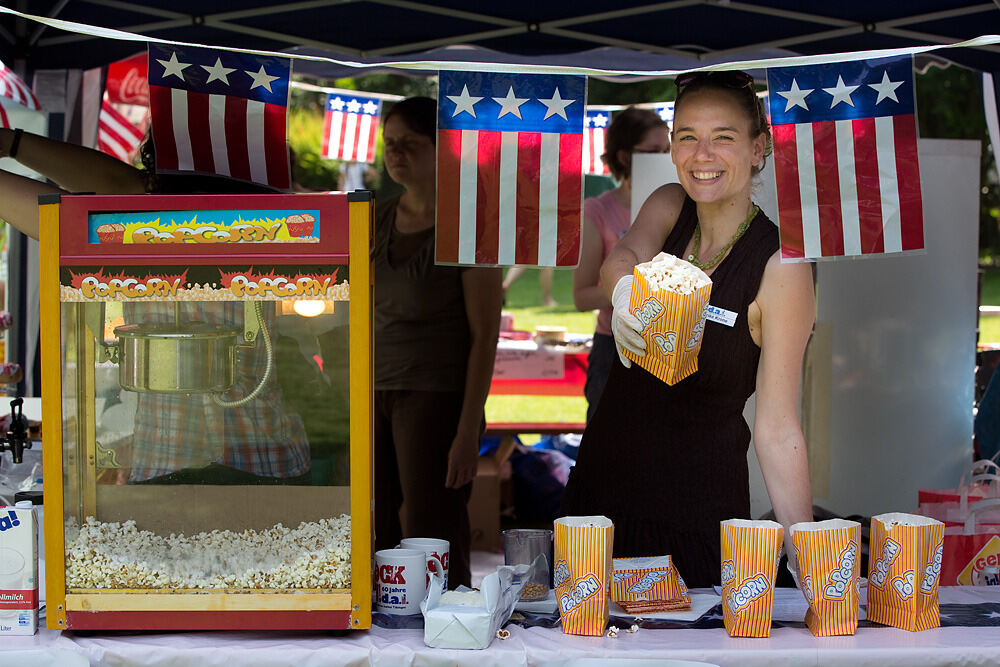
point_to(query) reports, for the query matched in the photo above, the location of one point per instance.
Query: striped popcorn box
(669, 298)
(648, 583)
(904, 569)
(829, 555)
(582, 573)
(750, 553)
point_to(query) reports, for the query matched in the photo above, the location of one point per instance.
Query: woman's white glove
(624, 325)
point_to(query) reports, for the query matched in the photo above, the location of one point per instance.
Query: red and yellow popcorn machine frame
(104, 257)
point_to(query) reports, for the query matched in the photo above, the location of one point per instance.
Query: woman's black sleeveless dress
(667, 463)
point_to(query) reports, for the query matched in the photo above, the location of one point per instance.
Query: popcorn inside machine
(206, 387)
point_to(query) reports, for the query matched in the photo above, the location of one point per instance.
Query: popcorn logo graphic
(840, 579)
(560, 574)
(903, 585)
(648, 311)
(748, 591)
(665, 342)
(649, 580)
(584, 589)
(932, 572)
(728, 572)
(807, 588)
(696, 333)
(619, 577)
(881, 569)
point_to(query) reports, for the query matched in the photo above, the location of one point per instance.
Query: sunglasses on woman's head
(728, 79)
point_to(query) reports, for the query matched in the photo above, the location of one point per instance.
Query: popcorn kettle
(181, 357)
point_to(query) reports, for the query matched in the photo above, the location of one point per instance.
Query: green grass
(524, 302)
(989, 327)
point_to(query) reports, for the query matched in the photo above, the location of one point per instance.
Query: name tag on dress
(720, 315)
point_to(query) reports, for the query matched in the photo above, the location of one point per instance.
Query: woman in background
(606, 218)
(436, 331)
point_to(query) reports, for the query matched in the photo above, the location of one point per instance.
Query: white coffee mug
(400, 580)
(438, 551)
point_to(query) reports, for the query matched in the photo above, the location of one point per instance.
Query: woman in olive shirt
(436, 331)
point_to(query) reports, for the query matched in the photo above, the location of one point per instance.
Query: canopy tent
(637, 36)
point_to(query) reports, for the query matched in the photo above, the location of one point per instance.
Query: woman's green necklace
(710, 264)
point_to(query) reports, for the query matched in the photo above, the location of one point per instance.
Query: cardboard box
(484, 507)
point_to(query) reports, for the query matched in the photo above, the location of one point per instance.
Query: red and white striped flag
(595, 127)
(220, 112)
(350, 126)
(116, 135)
(509, 178)
(11, 86)
(845, 156)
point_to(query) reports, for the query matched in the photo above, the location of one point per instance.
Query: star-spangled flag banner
(509, 182)
(666, 112)
(596, 126)
(845, 159)
(220, 112)
(116, 135)
(349, 127)
(13, 87)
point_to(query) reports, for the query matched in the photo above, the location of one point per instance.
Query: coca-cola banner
(127, 83)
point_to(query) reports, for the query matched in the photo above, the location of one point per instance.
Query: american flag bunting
(220, 112)
(13, 87)
(845, 158)
(596, 126)
(509, 156)
(116, 135)
(350, 126)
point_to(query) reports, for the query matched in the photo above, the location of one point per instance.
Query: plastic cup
(522, 546)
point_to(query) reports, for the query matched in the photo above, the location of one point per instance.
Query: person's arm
(645, 238)
(74, 168)
(787, 311)
(19, 201)
(483, 300)
(588, 294)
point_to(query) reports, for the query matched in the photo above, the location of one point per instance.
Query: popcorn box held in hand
(18, 571)
(750, 554)
(668, 298)
(582, 573)
(904, 570)
(829, 555)
(642, 584)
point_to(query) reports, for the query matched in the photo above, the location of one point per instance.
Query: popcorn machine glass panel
(213, 399)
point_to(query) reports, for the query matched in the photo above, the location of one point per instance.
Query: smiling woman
(682, 447)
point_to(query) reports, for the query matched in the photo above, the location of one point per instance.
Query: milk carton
(18, 570)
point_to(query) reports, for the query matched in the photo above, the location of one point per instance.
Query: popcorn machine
(206, 388)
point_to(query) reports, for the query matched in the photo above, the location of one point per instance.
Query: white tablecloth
(878, 646)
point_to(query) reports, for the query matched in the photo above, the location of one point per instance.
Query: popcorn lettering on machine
(206, 375)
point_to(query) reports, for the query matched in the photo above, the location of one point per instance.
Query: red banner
(127, 81)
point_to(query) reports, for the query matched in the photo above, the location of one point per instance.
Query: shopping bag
(971, 548)
(904, 569)
(976, 483)
(582, 574)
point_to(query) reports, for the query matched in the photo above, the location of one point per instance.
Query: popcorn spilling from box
(471, 619)
(649, 584)
(829, 566)
(669, 298)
